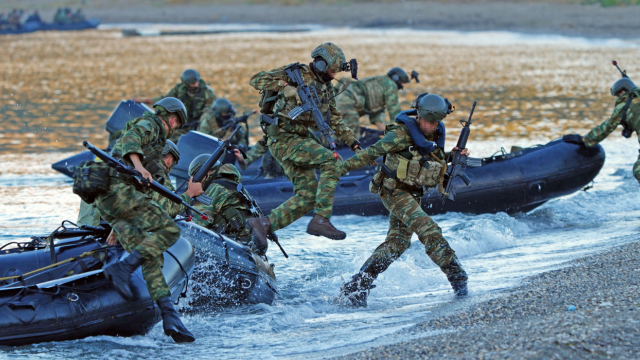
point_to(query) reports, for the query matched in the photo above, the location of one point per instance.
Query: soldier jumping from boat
(295, 148)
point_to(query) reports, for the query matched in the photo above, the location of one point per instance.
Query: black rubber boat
(33, 26)
(73, 300)
(512, 182)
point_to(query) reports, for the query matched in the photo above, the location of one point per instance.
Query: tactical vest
(232, 220)
(374, 102)
(627, 129)
(190, 103)
(410, 170)
(152, 152)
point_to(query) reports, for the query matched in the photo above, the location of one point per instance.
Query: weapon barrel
(211, 162)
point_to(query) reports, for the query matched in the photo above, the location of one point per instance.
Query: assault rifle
(207, 166)
(310, 102)
(123, 168)
(256, 211)
(627, 131)
(459, 161)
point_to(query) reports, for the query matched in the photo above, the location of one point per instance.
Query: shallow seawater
(308, 320)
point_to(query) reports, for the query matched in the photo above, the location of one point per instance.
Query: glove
(573, 138)
(355, 145)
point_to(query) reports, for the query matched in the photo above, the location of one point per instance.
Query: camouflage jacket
(165, 204)
(211, 126)
(397, 139)
(196, 104)
(228, 209)
(603, 130)
(372, 95)
(277, 80)
(144, 136)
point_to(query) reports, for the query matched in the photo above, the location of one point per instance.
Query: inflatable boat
(32, 26)
(519, 180)
(52, 288)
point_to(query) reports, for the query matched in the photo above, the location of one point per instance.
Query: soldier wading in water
(296, 149)
(143, 228)
(414, 159)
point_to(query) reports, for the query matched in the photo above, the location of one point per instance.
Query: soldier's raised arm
(275, 79)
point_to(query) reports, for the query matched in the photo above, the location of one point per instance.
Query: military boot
(120, 272)
(260, 227)
(171, 322)
(357, 290)
(457, 277)
(321, 226)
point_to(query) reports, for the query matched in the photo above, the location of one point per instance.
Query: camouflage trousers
(636, 169)
(351, 114)
(405, 218)
(300, 157)
(140, 224)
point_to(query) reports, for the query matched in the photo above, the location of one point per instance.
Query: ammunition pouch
(90, 180)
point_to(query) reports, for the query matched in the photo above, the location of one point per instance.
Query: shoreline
(589, 308)
(572, 19)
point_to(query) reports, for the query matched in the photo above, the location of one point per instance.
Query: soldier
(370, 96)
(230, 206)
(413, 159)
(194, 93)
(141, 226)
(626, 113)
(78, 17)
(269, 168)
(291, 144)
(220, 122)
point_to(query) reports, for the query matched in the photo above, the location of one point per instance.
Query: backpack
(90, 180)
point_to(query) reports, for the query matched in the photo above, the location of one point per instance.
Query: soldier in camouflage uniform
(626, 113)
(194, 93)
(219, 121)
(414, 159)
(230, 208)
(370, 96)
(269, 168)
(140, 224)
(300, 155)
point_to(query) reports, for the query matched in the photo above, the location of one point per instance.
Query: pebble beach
(589, 308)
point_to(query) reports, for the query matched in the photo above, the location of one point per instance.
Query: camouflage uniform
(167, 205)
(406, 216)
(139, 222)
(297, 152)
(369, 96)
(228, 208)
(269, 168)
(603, 130)
(195, 105)
(216, 127)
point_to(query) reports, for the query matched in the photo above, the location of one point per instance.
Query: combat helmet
(172, 105)
(328, 56)
(196, 164)
(190, 77)
(432, 108)
(398, 76)
(222, 106)
(622, 84)
(230, 172)
(171, 148)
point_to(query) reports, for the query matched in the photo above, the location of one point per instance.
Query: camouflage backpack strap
(627, 130)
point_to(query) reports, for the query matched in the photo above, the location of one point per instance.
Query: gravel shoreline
(589, 309)
(572, 19)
